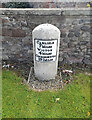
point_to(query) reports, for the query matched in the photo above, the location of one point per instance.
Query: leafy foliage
(89, 4)
(17, 5)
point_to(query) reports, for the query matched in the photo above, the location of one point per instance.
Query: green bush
(17, 5)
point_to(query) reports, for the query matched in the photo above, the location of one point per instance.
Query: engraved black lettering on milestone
(46, 46)
(45, 50)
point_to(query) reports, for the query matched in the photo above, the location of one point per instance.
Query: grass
(20, 102)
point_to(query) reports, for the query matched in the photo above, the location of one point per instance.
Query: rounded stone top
(46, 26)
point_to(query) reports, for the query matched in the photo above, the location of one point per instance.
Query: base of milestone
(39, 85)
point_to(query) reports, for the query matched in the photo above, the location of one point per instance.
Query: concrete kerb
(49, 11)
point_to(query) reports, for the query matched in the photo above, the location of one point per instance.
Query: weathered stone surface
(90, 30)
(85, 28)
(17, 29)
(75, 22)
(45, 5)
(87, 61)
(5, 20)
(50, 34)
(30, 52)
(71, 34)
(63, 35)
(74, 59)
(18, 33)
(84, 43)
(6, 32)
(81, 21)
(77, 34)
(24, 23)
(13, 32)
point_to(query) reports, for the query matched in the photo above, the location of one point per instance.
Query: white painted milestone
(46, 39)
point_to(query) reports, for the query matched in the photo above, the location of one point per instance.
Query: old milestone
(46, 39)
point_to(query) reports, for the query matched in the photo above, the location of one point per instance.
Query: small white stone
(57, 99)
(12, 66)
(3, 66)
(67, 71)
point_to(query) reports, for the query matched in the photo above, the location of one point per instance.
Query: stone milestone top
(46, 26)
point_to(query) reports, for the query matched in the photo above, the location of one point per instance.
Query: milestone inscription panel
(45, 50)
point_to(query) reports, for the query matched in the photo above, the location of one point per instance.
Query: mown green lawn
(18, 101)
